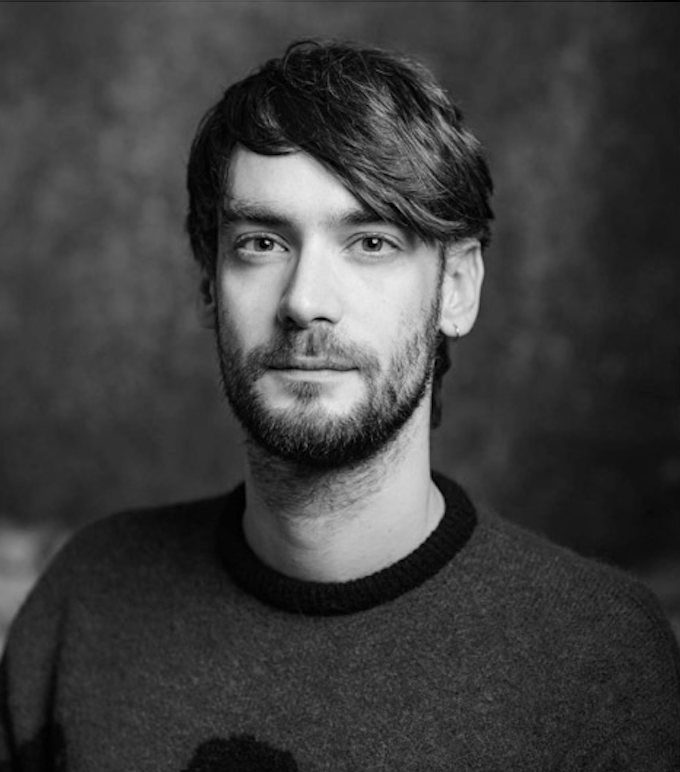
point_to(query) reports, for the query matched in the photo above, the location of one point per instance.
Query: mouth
(312, 364)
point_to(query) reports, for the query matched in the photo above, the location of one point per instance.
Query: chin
(316, 438)
(308, 398)
(318, 453)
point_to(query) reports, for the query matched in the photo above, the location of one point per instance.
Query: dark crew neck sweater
(158, 641)
(328, 598)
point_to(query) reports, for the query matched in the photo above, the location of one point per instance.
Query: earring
(456, 331)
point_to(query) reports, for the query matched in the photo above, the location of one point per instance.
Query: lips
(313, 363)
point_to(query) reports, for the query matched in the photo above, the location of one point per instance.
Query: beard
(307, 433)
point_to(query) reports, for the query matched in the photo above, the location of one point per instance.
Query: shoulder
(147, 531)
(534, 569)
(138, 537)
(577, 608)
(527, 560)
(588, 634)
(125, 558)
(503, 560)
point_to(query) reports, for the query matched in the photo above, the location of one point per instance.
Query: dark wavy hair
(378, 121)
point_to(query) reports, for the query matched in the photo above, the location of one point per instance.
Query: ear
(461, 287)
(207, 306)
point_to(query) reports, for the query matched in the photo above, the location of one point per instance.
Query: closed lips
(313, 364)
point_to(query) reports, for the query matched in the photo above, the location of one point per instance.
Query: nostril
(295, 316)
(308, 299)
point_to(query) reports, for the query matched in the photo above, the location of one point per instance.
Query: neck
(341, 524)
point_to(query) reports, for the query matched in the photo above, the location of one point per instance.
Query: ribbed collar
(332, 598)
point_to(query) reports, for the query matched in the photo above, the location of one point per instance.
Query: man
(345, 608)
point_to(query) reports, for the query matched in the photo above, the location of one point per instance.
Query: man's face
(327, 318)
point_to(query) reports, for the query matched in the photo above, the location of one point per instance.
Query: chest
(167, 691)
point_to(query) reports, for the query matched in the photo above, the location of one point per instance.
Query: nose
(312, 292)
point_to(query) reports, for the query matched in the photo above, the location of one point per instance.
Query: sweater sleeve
(6, 743)
(29, 740)
(633, 720)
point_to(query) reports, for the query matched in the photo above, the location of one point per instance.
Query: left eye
(375, 245)
(372, 243)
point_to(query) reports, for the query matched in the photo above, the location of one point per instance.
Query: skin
(298, 258)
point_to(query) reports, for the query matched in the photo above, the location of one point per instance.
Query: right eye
(259, 244)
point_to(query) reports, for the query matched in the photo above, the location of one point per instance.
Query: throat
(341, 524)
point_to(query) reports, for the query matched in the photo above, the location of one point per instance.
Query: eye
(259, 244)
(373, 244)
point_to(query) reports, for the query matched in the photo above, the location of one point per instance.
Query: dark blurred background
(562, 410)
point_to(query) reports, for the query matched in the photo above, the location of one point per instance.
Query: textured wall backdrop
(562, 410)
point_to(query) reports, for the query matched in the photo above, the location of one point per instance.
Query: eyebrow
(244, 211)
(235, 211)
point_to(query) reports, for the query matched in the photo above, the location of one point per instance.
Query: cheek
(395, 315)
(246, 310)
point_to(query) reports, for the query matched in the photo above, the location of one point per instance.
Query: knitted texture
(157, 641)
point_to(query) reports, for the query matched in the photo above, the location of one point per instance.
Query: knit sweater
(157, 641)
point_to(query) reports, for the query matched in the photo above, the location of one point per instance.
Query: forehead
(294, 185)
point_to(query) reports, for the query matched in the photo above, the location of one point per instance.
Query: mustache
(287, 347)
